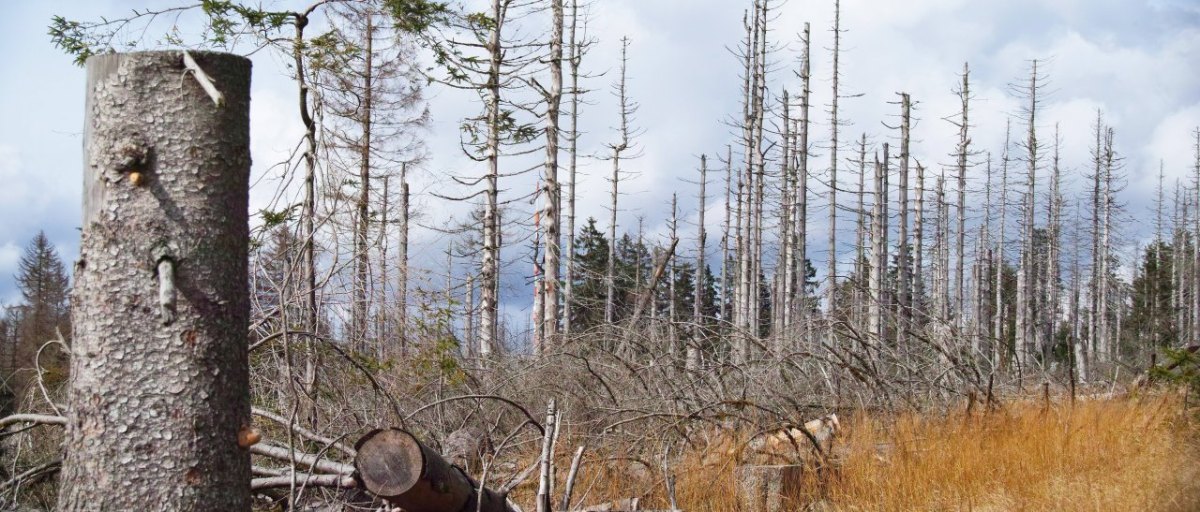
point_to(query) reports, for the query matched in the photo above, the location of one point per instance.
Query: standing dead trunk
(800, 263)
(831, 273)
(698, 277)
(159, 384)
(904, 265)
(1000, 343)
(489, 294)
(552, 214)
(362, 261)
(964, 145)
(402, 270)
(575, 54)
(878, 255)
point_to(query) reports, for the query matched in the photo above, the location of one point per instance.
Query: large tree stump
(159, 383)
(395, 466)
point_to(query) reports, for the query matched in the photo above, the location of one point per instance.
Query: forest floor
(1096, 455)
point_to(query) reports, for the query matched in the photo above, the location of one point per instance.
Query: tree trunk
(402, 270)
(878, 256)
(800, 264)
(904, 266)
(1000, 343)
(574, 48)
(362, 262)
(159, 374)
(698, 279)
(552, 215)
(964, 144)
(831, 276)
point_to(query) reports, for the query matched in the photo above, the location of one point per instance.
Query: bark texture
(159, 375)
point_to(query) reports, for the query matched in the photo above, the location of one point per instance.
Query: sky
(1134, 60)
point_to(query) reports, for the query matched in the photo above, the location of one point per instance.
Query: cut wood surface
(397, 467)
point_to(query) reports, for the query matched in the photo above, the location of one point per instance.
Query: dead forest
(823, 318)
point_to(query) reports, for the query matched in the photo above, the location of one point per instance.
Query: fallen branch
(309, 461)
(303, 432)
(36, 471)
(308, 479)
(39, 419)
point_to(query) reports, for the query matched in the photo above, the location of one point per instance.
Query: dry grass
(1112, 455)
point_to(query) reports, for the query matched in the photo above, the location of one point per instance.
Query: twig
(37, 361)
(53, 465)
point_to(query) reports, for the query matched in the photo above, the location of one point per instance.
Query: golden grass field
(1097, 455)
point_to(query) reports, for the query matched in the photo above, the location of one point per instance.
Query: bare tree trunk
(904, 266)
(361, 306)
(402, 270)
(538, 312)
(551, 216)
(382, 331)
(964, 145)
(617, 149)
(918, 252)
(490, 267)
(469, 315)
(672, 312)
(1053, 230)
(760, 73)
(1029, 342)
(309, 208)
(1104, 347)
(800, 263)
(1195, 269)
(861, 263)
(784, 292)
(878, 255)
(610, 273)
(1000, 346)
(725, 277)
(1097, 209)
(831, 272)
(1079, 350)
(698, 281)
(573, 59)
(157, 398)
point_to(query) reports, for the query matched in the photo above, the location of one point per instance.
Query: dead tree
(963, 151)
(624, 143)
(159, 384)
(552, 213)
(698, 281)
(904, 266)
(833, 162)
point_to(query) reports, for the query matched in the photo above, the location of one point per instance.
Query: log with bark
(395, 466)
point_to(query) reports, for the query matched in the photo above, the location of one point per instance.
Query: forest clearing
(510, 255)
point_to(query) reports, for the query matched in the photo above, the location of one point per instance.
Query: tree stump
(768, 488)
(159, 384)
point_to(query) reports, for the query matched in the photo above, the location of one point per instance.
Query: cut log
(395, 466)
(466, 447)
(768, 488)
